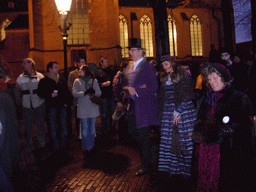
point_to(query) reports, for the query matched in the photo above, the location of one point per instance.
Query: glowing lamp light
(226, 119)
(63, 6)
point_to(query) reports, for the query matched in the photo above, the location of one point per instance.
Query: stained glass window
(124, 43)
(146, 35)
(172, 36)
(196, 36)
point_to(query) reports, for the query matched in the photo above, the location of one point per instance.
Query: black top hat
(135, 43)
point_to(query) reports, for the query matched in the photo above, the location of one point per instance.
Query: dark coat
(103, 75)
(183, 91)
(46, 87)
(236, 138)
(9, 151)
(240, 75)
(252, 88)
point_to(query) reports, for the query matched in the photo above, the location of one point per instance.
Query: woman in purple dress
(224, 132)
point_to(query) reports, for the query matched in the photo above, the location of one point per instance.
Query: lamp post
(133, 18)
(63, 7)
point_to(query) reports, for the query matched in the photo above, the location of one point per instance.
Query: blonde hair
(29, 60)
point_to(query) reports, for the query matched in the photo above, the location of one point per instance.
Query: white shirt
(136, 63)
(169, 80)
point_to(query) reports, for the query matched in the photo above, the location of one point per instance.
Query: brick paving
(113, 169)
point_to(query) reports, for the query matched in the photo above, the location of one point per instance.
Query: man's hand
(176, 120)
(106, 84)
(119, 104)
(54, 94)
(143, 86)
(131, 90)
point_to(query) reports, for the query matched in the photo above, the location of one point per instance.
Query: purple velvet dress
(209, 162)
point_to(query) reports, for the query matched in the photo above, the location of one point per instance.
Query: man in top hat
(141, 84)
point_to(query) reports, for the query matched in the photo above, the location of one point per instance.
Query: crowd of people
(206, 122)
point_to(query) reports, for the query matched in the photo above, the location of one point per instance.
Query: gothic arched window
(124, 43)
(78, 34)
(3, 26)
(172, 36)
(146, 35)
(196, 36)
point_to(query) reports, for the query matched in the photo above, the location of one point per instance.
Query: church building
(30, 28)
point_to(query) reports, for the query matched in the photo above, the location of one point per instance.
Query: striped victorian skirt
(177, 160)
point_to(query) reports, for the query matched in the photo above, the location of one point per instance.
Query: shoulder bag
(94, 98)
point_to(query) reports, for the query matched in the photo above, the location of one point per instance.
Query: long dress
(172, 162)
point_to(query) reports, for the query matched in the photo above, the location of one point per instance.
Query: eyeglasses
(133, 49)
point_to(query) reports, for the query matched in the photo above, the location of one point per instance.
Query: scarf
(31, 75)
(214, 96)
(86, 79)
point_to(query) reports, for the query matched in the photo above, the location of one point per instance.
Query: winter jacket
(103, 75)
(86, 108)
(26, 90)
(46, 87)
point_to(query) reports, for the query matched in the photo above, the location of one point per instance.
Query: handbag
(93, 97)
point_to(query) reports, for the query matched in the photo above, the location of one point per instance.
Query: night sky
(243, 29)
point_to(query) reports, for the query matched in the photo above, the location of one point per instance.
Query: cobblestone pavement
(112, 168)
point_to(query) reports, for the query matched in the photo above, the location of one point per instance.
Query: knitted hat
(224, 72)
(167, 58)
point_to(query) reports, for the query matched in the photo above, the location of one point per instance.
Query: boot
(87, 158)
(94, 157)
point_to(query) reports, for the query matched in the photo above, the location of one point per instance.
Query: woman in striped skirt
(178, 119)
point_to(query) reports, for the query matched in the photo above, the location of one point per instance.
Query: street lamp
(63, 7)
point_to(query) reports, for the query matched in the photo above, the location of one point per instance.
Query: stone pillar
(104, 31)
(45, 37)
